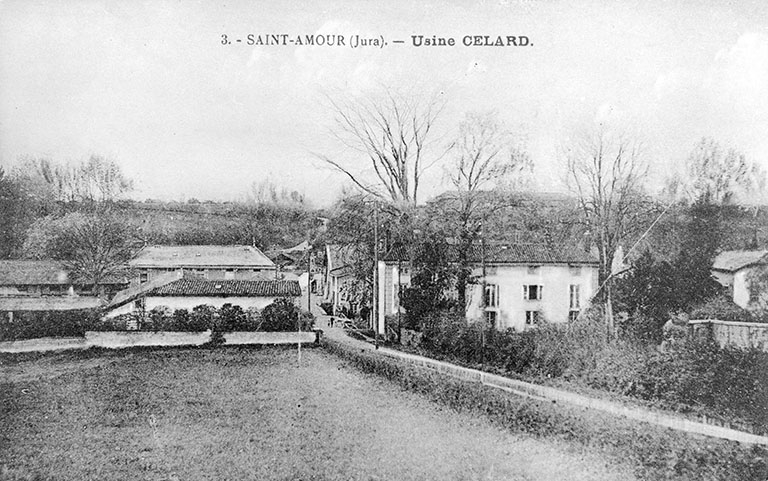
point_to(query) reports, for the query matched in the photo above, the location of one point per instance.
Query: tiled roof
(511, 254)
(735, 260)
(189, 286)
(127, 295)
(31, 272)
(49, 303)
(203, 256)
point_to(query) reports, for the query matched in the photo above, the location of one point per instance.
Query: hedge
(655, 453)
(36, 324)
(692, 375)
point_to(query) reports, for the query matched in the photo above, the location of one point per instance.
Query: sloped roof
(127, 295)
(49, 303)
(31, 272)
(190, 286)
(498, 253)
(732, 261)
(202, 256)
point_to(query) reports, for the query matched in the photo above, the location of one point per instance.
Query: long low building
(179, 291)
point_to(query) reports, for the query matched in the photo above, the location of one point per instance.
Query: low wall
(744, 335)
(117, 339)
(43, 344)
(535, 391)
(120, 339)
(239, 338)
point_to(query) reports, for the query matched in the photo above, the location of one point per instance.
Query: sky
(150, 84)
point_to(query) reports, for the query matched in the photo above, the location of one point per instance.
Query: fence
(744, 335)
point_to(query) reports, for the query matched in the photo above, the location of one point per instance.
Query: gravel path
(254, 414)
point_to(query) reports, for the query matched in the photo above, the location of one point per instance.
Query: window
(573, 295)
(138, 304)
(533, 269)
(490, 318)
(229, 274)
(532, 292)
(491, 295)
(574, 302)
(531, 318)
(199, 273)
(143, 276)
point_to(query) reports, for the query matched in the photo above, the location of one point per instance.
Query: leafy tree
(700, 244)
(648, 293)
(432, 282)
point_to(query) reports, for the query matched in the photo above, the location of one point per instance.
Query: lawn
(248, 414)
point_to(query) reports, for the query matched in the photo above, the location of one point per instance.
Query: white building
(187, 291)
(525, 283)
(732, 269)
(208, 262)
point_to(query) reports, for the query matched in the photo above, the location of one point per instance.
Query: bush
(283, 315)
(33, 324)
(201, 318)
(232, 318)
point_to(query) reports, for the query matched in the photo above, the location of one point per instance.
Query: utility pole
(482, 300)
(399, 295)
(375, 314)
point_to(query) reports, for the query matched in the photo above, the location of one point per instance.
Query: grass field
(249, 414)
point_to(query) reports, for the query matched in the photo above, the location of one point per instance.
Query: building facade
(733, 270)
(207, 262)
(525, 284)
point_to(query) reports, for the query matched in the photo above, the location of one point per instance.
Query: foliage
(648, 293)
(698, 249)
(232, 318)
(33, 324)
(283, 315)
(433, 277)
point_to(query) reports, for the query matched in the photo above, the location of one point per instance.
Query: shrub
(283, 315)
(232, 318)
(160, 318)
(202, 317)
(34, 324)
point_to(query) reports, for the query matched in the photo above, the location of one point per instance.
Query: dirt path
(255, 414)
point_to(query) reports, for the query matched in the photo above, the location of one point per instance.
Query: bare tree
(717, 175)
(96, 179)
(606, 171)
(392, 131)
(485, 156)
